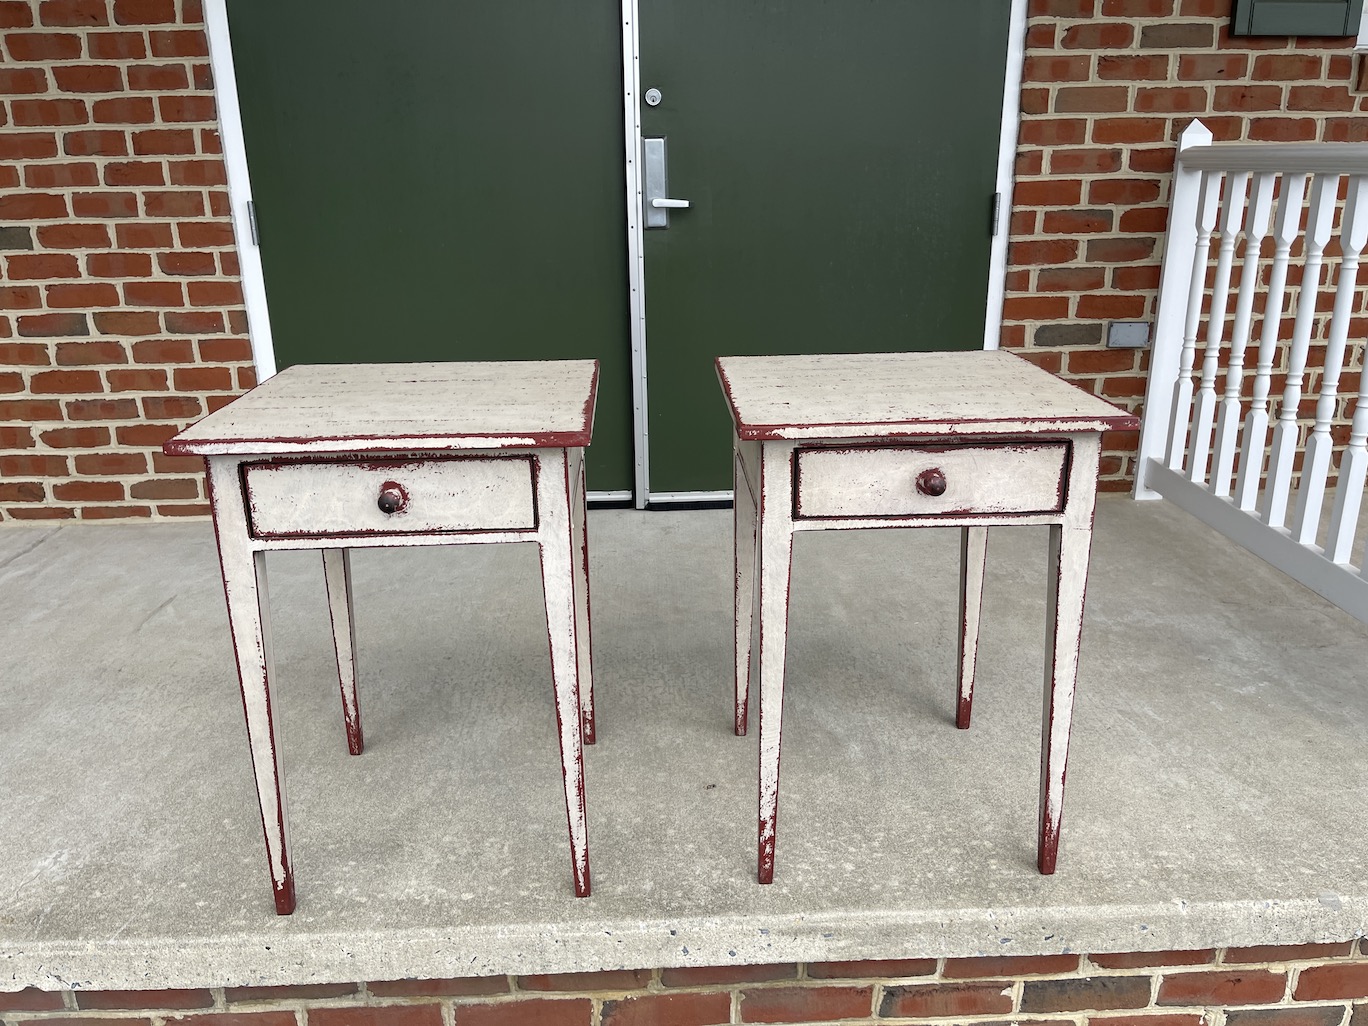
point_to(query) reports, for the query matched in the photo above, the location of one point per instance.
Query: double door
(439, 180)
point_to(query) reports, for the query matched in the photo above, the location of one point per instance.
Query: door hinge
(997, 212)
(256, 235)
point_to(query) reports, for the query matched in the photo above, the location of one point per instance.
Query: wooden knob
(931, 482)
(392, 498)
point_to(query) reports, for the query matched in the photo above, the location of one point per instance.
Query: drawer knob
(393, 498)
(931, 482)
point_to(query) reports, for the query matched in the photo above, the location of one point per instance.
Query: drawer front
(902, 481)
(460, 493)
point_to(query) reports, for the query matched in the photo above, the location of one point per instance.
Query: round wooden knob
(392, 498)
(931, 482)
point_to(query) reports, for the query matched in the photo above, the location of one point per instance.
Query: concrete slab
(1216, 790)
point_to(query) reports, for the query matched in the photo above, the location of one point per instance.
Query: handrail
(1304, 158)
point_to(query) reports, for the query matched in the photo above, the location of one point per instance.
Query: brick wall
(1306, 985)
(1107, 88)
(120, 309)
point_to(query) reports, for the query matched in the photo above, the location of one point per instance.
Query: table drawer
(291, 499)
(924, 481)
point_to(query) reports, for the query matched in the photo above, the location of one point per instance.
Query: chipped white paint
(1254, 513)
(331, 501)
(1011, 475)
(897, 394)
(404, 407)
(442, 494)
(883, 481)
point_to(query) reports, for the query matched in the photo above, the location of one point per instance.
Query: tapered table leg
(337, 575)
(775, 545)
(973, 557)
(558, 553)
(579, 522)
(743, 588)
(244, 586)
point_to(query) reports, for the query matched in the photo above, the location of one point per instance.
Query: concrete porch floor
(1217, 786)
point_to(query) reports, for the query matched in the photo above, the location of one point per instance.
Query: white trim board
(1006, 173)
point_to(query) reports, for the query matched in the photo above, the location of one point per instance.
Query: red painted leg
(1068, 569)
(973, 556)
(743, 549)
(558, 573)
(580, 523)
(775, 544)
(244, 585)
(337, 575)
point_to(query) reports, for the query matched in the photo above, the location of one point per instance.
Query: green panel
(1296, 17)
(443, 181)
(841, 160)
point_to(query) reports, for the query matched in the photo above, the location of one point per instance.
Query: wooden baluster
(1228, 421)
(1207, 198)
(1320, 447)
(1320, 216)
(1354, 463)
(1204, 412)
(1285, 229)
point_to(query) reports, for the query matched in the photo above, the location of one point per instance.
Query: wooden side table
(968, 440)
(350, 456)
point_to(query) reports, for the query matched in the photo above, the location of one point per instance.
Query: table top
(876, 394)
(404, 407)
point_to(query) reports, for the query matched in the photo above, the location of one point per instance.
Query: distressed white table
(337, 457)
(962, 440)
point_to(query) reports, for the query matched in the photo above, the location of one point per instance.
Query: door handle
(657, 194)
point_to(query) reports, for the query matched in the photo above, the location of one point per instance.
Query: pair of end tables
(337, 457)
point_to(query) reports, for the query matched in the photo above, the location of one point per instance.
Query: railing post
(1170, 314)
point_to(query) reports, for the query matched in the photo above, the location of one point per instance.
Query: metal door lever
(670, 204)
(657, 202)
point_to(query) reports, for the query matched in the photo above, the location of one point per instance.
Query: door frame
(254, 281)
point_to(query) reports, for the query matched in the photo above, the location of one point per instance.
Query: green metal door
(440, 180)
(840, 160)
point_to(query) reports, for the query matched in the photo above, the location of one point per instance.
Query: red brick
(1089, 992)
(30, 409)
(184, 43)
(1303, 1015)
(1171, 100)
(39, 466)
(1035, 308)
(164, 350)
(134, 172)
(73, 236)
(1176, 1019)
(153, 293)
(125, 110)
(43, 46)
(277, 1017)
(1287, 952)
(194, 322)
(1092, 100)
(77, 354)
(1105, 361)
(805, 1004)
(119, 265)
(113, 513)
(1057, 68)
(25, 491)
(1212, 67)
(103, 143)
(11, 382)
(203, 379)
(15, 14)
(1085, 161)
(1248, 97)
(1111, 307)
(1043, 251)
(946, 1000)
(37, 266)
(173, 204)
(145, 12)
(195, 234)
(164, 464)
(24, 206)
(182, 262)
(20, 297)
(88, 78)
(68, 297)
(16, 438)
(56, 513)
(163, 142)
(1221, 988)
(9, 176)
(1110, 251)
(872, 969)
(469, 986)
(1332, 982)
(1122, 388)
(1135, 279)
(136, 380)
(617, 979)
(184, 407)
(109, 999)
(24, 354)
(668, 1010)
(187, 108)
(726, 975)
(117, 46)
(1282, 129)
(53, 325)
(1008, 965)
(101, 464)
(127, 322)
(1129, 130)
(104, 204)
(214, 293)
(1047, 193)
(1098, 35)
(102, 409)
(27, 145)
(1317, 97)
(144, 235)
(1133, 67)
(541, 1011)
(246, 378)
(146, 436)
(198, 172)
(76, 438)
(210, 142)
(22, 80)
(201, 509)
(1283, 67)
(1070, 279)
(1123, 191)
(1075, 222)
(303, 991)
(73, 12)
(158, 77)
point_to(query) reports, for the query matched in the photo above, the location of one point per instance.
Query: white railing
(1266, 209)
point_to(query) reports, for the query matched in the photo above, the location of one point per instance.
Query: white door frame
(254, 282)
